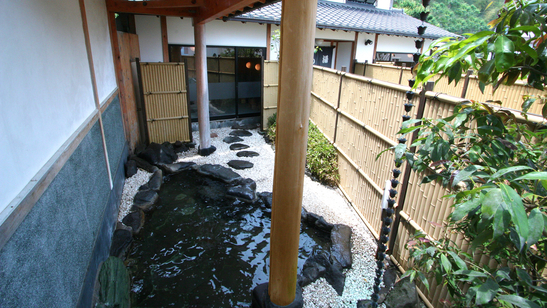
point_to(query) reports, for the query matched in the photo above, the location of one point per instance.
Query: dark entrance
(323, 56)
(235, 80)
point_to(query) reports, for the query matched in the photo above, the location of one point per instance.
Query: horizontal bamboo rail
(170, 118)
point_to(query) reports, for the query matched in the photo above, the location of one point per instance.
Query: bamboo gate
(166, 101)
(361, 117)
(468, 87)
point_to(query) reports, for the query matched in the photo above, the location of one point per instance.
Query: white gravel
(130, 188)
(322, 200)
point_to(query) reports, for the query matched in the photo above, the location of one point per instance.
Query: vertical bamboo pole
(202, 88)
(293, 110)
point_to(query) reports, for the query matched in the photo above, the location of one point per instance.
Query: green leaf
(410, 129)
(527, 104)
(429, 178)
(460, 118)
(486, 292)
(471, 274)
(503, 44)
(447, 266)
(481, 239)
(459, 262)
(524, 277)
(466, 174)
(533, 176)
(502, 219)
(491, 202)
(440, 150)
(518, 213)
(518, 301)
(400, 150)
(485, 72)
(535, 222)
(509, 169)
(423, 279)
(503, 274)
(504, 61)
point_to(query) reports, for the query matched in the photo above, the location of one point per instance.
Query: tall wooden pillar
(293, 110)
(205, 147)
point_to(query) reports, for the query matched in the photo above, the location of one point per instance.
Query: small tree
(494, 165)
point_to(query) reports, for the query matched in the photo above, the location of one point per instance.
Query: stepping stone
(244, 191)
(238, 146)
(240, 164)
(232, 139)
(247, 154)
(219, 172)
(176, 167)
(245, 126)
(241, 133)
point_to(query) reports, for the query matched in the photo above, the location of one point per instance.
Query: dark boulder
(159, 153)
(130, 168)
(145, 199)
(340, 237)
(240, 164)
(135, 221)
(120, 241)
(403, 295)
(319, 222)
(245, 191)
(319, 265)
(218, 172)
(180, 147)
(114, 284)
(156, 180)
(143, 164)
(267, 198)
(238, 146)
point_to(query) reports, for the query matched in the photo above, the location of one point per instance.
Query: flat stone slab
(219, 172)
(176, 167)
(240, 164)
(232, 139)
(238, 146)
(247, 154)
(241, 133)
(340, 237)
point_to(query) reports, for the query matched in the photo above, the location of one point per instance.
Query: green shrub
(321, 158)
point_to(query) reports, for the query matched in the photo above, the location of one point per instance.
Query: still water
(200, 249)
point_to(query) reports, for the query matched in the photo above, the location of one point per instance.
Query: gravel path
(322, 200)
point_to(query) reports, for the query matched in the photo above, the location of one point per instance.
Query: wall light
(248, 65)
(257, 67)
(368, 42)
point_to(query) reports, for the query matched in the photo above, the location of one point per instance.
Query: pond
(199, 248)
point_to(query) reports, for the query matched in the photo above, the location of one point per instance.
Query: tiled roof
(352, 17)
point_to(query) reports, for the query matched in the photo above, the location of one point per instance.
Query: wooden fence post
(406, 177)
(365, 68)
(338, 107)
(466, 83)
(401, 75)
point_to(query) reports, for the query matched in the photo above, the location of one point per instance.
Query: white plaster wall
(365, 52)
(398, 44)
(149, 32)
(235, 33)
(180, 31)
(45, 86)
(384, 4)
(99, 36)
(343, 55)
(334, 35)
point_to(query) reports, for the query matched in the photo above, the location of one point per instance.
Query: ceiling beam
(179, 8)
(214, 9)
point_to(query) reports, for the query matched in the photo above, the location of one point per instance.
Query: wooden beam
(164, 42)
(374, 50)
(136, 7)
(353, 52)
(268, 41)
(156, 4)
(293, 111)
(214, 9)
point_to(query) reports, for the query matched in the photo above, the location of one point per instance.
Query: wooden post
(466, 83)
(293, 110)
(353, 53)
(202, 89)
(164, 41)
(268, 42)
(374, 50)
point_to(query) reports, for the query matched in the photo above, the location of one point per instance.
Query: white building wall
(149, 31)
(45, 86)
(99, 36)
(365, 52)
(343, 55)
(398, 44)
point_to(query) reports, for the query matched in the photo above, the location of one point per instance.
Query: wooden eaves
(202, 11)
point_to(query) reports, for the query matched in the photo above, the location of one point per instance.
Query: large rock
(180, 147)
(267, 198)
(238, 146)
(159, 153)
(176, 167)
(319, 265)
(232, 139)
(135, 221)
(145, 199)
(143, 164)
(156, 180)
(319, 222)
(241, 133)
(340, 237)
(130, 168)
(120, 241)
(244, 191)
(240, 164)
(219, 172)
(114, 285)
(403, 295)
(247, 154)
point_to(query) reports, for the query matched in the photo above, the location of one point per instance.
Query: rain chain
(390, 192)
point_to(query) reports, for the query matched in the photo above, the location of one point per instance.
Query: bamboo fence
(468, 87)
(269, 97)
(361, 117)
(166, 101)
